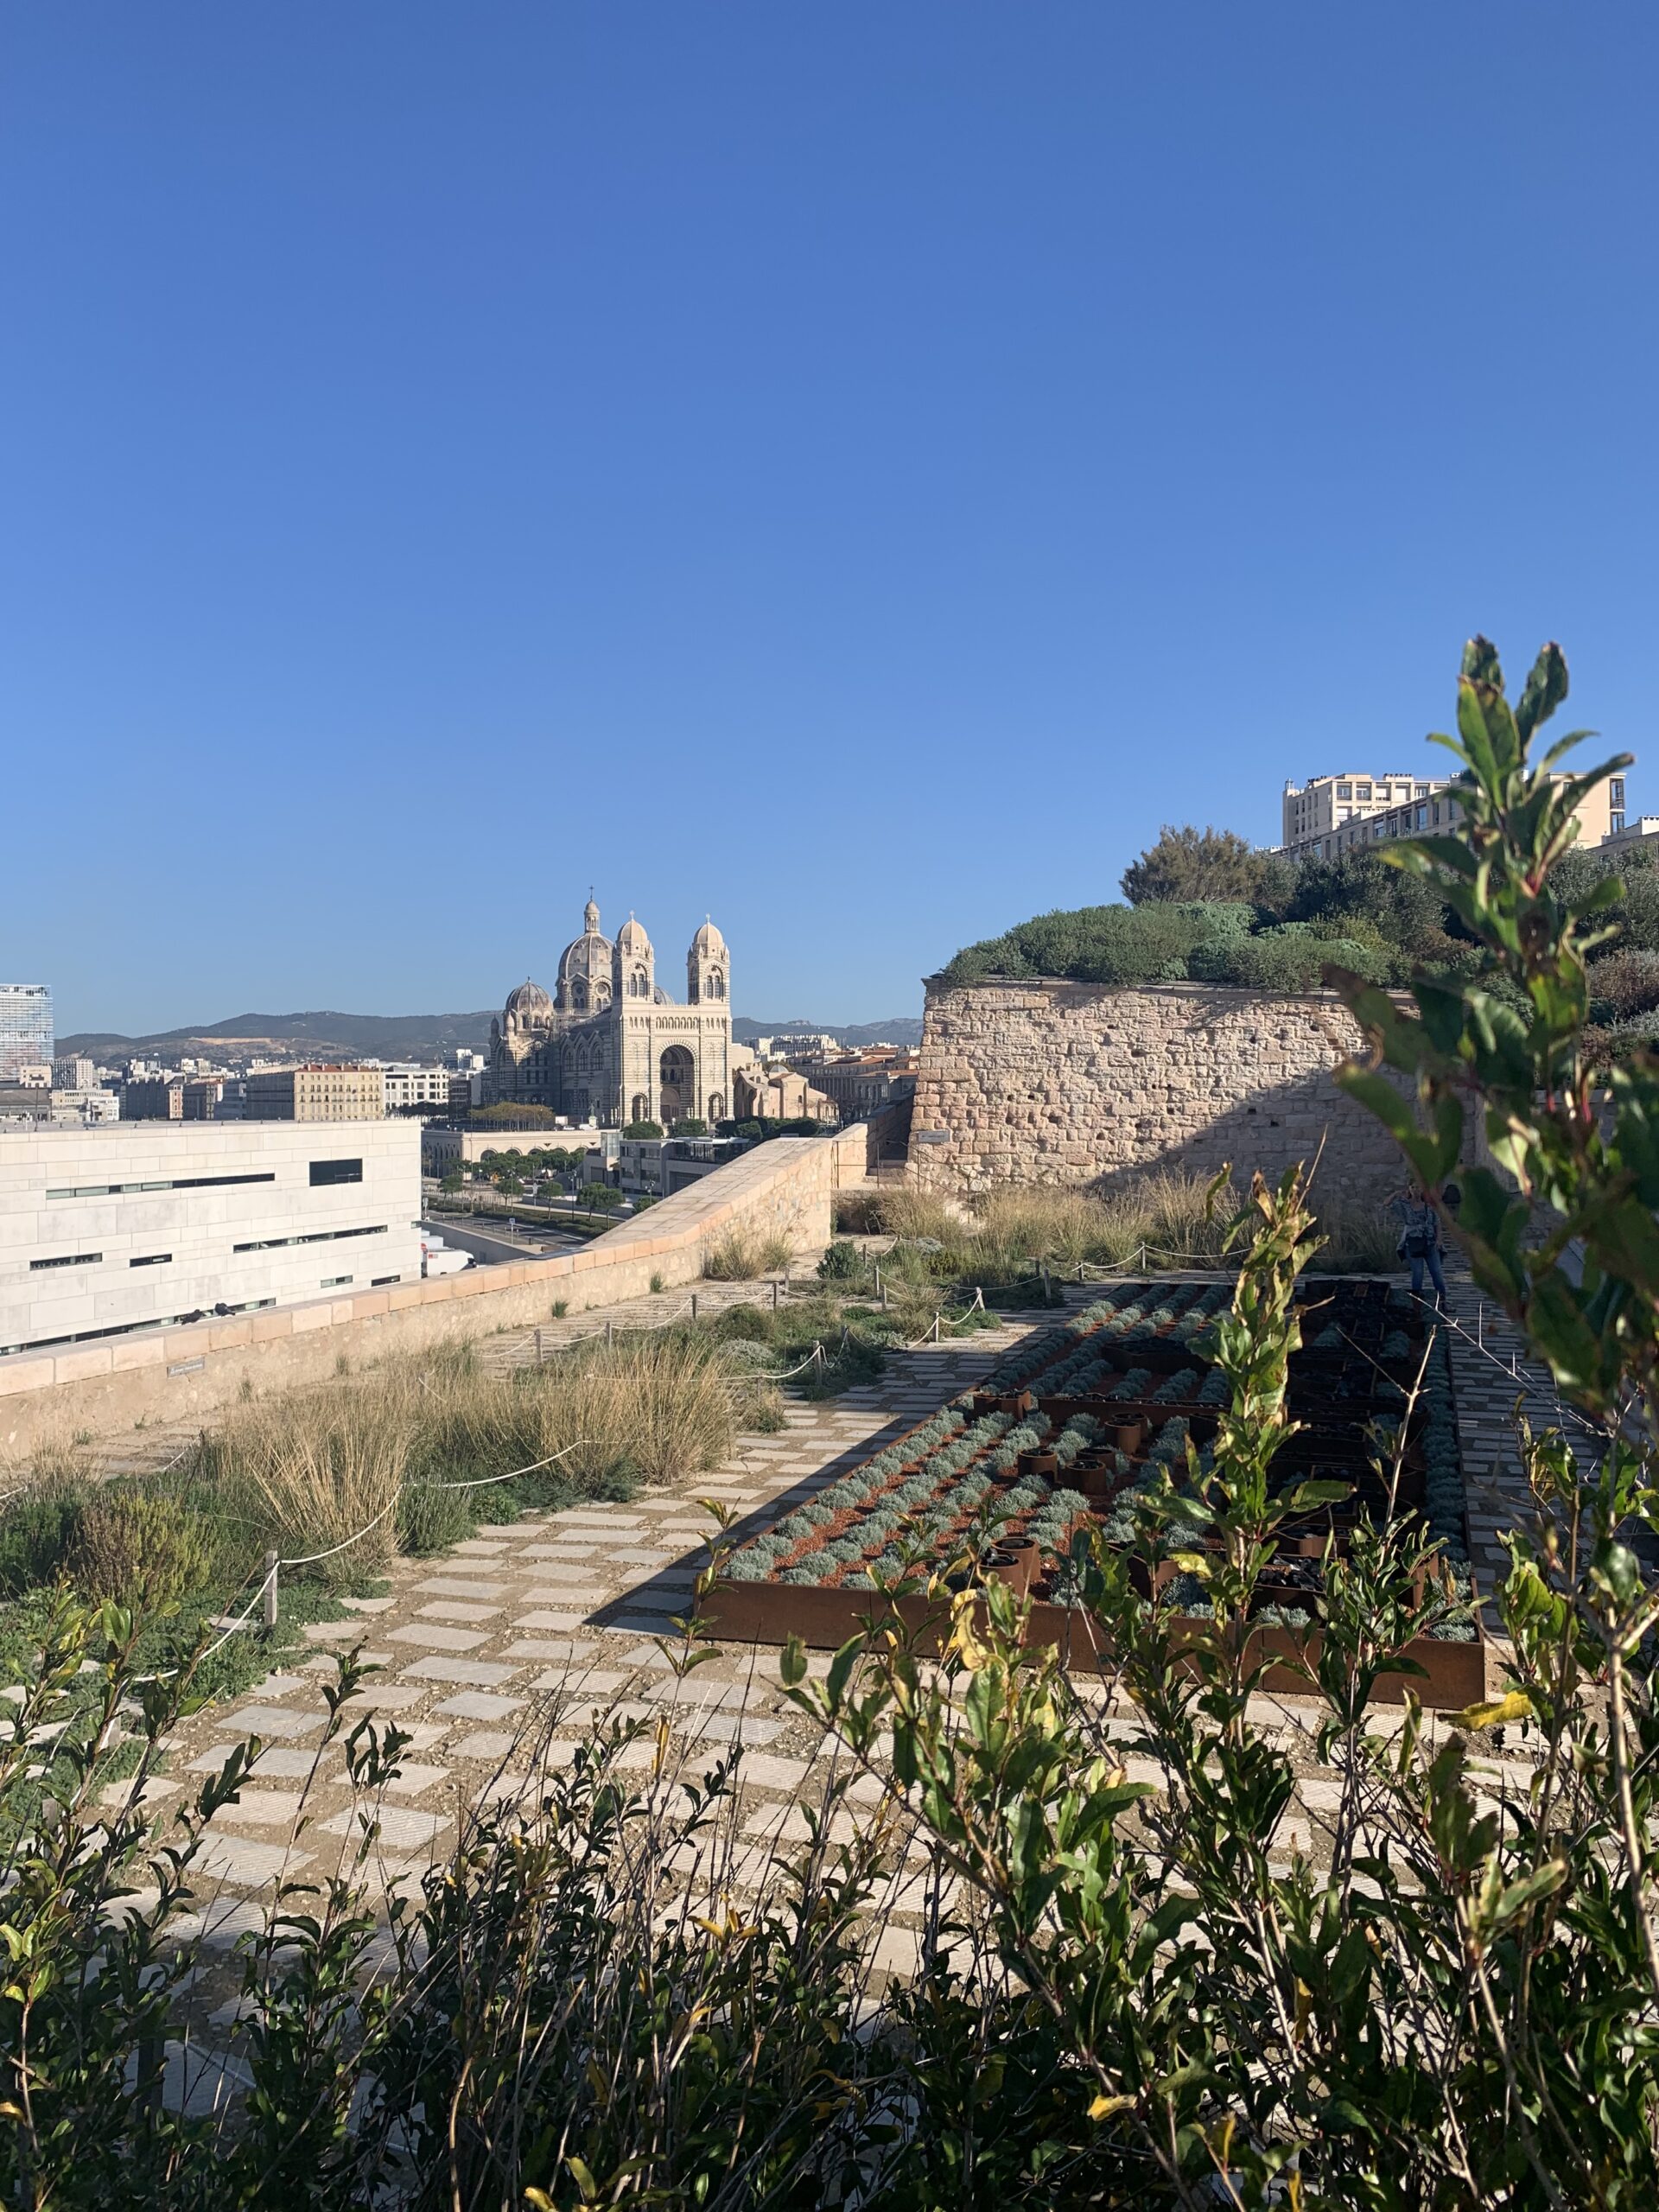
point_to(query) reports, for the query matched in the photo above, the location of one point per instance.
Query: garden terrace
(1066, 1434)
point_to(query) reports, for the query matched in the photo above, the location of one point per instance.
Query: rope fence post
(774, 1293)
(610, 1334)
(539, 1347)
(935, 1328)
(270, 1590)
(694, 1305)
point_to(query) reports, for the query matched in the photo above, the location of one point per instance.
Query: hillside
(382, 1036)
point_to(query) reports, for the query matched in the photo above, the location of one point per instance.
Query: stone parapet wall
(786, 1186)
(1073, 1083)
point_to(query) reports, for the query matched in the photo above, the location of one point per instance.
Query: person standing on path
(1420, 1241)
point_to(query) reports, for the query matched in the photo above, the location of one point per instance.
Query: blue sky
(855, 469)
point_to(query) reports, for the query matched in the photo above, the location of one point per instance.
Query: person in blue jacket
(1420, 1241)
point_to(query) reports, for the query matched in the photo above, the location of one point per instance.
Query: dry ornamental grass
(311, 1468)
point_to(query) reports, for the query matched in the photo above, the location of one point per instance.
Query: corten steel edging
(824, 1618)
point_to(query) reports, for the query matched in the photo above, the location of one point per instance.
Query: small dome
(590, 918)
(529, 998)
(631, 938)
(708, 944)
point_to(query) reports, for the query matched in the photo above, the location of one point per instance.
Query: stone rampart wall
(786, 1186)
(1061, 1083)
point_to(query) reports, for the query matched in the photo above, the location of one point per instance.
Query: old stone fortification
(1060, 1083)
(787, 1186)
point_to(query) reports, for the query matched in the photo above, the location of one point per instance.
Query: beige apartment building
(1343, 812)
(1312, 810)
(316, 1093)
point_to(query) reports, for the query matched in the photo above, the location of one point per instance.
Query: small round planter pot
(1016, 1564)
(1128, 1435)
(1039, 1463)
(1021, 1401)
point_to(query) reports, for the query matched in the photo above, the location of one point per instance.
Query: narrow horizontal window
(67, 1260)
(313, 1236)
(380, 1281)
(151, 1260)
(177, 1183)
(335, 1282)
(336, 1170)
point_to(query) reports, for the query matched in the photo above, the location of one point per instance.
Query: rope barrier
(783, 1374)
(1209, 1261)
(266, 1582)
(313, 1558)
(952, 1320)
(480, 1482)
(1444, 1318)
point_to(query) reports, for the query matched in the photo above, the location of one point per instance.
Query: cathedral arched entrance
(679, 1076)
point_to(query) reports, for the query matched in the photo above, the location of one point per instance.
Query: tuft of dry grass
(1359, 1239)
(741, 1255)
(313, 1467)
(918, 1213)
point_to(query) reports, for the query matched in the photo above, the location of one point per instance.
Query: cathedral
(610, 1045)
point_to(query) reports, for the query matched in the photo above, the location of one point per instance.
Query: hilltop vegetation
(1355, 913)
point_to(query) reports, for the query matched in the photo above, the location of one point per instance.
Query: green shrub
(37, 1533)
(745, 1324)
(142, 1549)
(1289, 957)
(844, 1262)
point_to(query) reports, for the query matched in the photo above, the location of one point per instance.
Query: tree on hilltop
(1187, 863)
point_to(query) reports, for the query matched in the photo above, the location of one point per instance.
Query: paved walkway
(1492, 1377)
(499, 1653)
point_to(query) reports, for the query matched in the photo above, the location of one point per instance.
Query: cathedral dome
(529, 998)
(708, 944)
(631, 938)
(584, 985)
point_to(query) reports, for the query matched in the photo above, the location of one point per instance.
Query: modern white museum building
(136, 1225)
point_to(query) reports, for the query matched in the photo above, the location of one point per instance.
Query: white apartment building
(410, 1085)
(141, 1224)
(1335, 814)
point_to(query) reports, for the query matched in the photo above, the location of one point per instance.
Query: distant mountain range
(903, 1029)
(389, 1036)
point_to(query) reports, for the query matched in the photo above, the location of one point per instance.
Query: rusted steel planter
(768, 1613)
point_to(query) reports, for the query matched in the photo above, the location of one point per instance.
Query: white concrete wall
(56, 1205)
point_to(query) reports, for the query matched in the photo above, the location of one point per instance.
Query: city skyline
(780, 458)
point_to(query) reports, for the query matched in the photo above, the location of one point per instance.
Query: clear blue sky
(856, 469)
